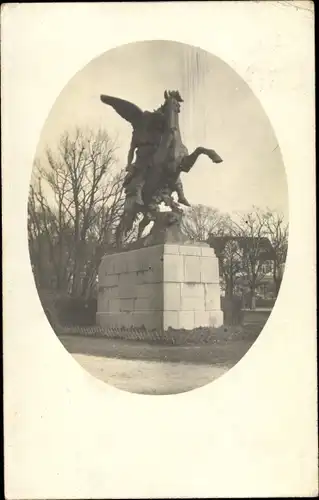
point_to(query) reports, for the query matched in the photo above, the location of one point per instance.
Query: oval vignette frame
(218, 104)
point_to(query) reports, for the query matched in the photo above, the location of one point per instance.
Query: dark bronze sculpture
(160, 157)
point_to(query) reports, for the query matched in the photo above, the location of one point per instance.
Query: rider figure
(144, 143)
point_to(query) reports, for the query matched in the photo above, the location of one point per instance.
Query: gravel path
(153, 368)
(149, 377)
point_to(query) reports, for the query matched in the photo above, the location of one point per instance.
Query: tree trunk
(252, 298)
(253, 302)
(77, 270)
(229, 290)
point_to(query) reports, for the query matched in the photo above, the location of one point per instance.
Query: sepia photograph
(158, 217)
(159, 250)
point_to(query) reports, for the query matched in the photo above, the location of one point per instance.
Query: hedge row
(170, 336)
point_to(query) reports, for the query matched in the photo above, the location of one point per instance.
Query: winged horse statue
(156, 158)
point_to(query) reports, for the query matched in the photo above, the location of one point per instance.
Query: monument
(162, 280)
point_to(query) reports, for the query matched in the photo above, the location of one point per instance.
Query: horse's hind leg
(180, 193)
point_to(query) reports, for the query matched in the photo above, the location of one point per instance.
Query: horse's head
(172, 100)
(171, 107)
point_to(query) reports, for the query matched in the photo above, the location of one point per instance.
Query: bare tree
(38, 243)
(78, 196)
(251, 234)
(200, 221)
(230, 265)
(277, 232)
(46, 238)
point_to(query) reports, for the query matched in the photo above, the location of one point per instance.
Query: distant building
(266, 252)
(266, 287)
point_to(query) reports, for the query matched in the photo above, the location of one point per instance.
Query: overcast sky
(220, 112)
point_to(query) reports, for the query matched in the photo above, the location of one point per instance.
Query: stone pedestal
(160, 286)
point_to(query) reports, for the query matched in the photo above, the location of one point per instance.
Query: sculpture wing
(127, 110)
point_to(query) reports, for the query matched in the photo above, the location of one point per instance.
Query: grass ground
(161, 369)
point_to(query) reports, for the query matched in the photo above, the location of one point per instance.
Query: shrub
(76, 311)
(232, 309)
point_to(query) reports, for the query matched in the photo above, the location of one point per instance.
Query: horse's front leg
(188, 161)
(211, 153)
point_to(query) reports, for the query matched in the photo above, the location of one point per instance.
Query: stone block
(151, 303)
(102, 302)
(126, 320)
(170, 249)
(208, 318)
(111, 291)
(107, 319)
(106, 305)
(172, 296)
(120, 263)
(148, 290)
(186, 320)
(192, 304)
(157, 300)
(190, 250)
(170, 319)
(142, 304)
(127, 305)
(212, 297)
(134, 261)
(143, 290)
(216, 318)
(208, 270)
(131, 263)
(141, 277)
(148, 255)
(148, 319)
(114, 305)
(127, 279)
(109, 264)
(201, 319)
(192, 269)
(207, 251)
(154, 273)
(194, 290)
(127, 291)
(173, 268)
(142, 262)
(216, 269)
(108, 280)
